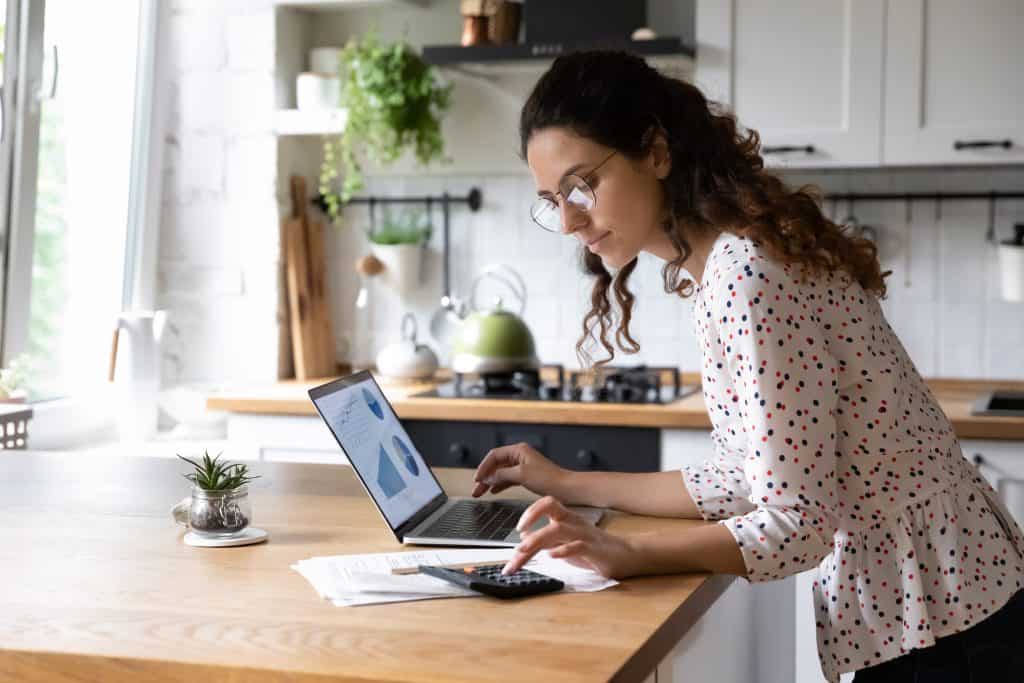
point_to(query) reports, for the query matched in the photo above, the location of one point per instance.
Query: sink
(999, 403)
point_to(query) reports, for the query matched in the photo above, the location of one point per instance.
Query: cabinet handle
(586, 457)
(783, 149)
(978, 144)
(459, 453)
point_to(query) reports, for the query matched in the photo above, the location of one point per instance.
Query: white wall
(218, 245)
(218, 250)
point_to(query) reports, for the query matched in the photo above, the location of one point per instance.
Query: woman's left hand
(569, 536)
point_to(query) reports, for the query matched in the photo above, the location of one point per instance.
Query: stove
(609, 384)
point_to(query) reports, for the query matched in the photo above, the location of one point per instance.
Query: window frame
(74, 420)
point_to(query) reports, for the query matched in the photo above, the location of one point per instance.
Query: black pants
(989, 652)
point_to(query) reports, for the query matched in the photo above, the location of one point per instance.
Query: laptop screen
(377, 446)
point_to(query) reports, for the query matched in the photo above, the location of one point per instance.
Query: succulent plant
(213, 475)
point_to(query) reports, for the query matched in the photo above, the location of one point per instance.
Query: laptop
(398, 479)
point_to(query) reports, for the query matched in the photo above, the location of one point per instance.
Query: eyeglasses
(575, 191)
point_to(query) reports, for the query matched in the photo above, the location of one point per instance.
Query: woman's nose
(573, 218)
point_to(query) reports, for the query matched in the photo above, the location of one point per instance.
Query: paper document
(349, 580)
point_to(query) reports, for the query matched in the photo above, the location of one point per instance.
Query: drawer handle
(785, 149)
(459, 453)
(979, 144)
(586, 457)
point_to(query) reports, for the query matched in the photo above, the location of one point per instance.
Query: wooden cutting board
(306, 275)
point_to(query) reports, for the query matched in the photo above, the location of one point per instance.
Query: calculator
(490, 581)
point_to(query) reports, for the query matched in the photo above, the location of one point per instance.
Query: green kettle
(495, 340)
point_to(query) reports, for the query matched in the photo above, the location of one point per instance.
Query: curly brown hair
(717, 181)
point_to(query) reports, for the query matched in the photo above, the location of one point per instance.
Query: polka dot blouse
(832, 455)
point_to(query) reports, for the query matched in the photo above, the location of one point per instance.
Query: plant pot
(215, 513)
(403, 265)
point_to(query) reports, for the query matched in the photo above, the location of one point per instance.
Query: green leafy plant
(409, 227)
(394, 102)
(213, 475)
(15, 375)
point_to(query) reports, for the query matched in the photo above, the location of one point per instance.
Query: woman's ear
(658, 153)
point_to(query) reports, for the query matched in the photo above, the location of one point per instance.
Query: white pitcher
(135, 371)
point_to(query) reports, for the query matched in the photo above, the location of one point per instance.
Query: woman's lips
(593, 244)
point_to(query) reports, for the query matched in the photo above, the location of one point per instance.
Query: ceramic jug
(135, 371)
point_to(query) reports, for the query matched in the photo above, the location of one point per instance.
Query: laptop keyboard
(486, 520)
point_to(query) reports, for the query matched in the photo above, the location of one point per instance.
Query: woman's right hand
(520, 464)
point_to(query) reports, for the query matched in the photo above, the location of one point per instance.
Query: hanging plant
(394, 102)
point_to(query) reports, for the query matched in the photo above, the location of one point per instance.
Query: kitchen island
(99, 586)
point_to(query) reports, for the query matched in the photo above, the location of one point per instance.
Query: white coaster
(246, 536)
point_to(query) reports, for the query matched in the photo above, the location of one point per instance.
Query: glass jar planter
(219, 513)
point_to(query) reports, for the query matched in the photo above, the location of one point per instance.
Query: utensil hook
(990, 233)
(373, 216)
(446, 213)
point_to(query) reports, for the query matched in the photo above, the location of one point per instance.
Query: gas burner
(615, 384)
(521, 383)
(640, 384)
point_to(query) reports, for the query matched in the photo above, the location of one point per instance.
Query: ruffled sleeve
(718, 487)
(784, 387)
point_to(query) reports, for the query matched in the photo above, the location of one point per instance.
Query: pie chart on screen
(373, 404)
(403, 450)
(388, 478)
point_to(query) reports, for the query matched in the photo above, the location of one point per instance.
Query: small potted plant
(394, 102)
(220, 503)
(399, 244)
(13, 379)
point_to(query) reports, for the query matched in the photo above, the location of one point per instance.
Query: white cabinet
(681, 447)
(284, 438)
(768, 638)
(805, 74)
(954, 81)
(846, 83)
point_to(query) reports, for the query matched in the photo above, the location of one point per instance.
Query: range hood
(456, 55)
(555, 27)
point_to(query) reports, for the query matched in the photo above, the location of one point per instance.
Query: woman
(830, 451)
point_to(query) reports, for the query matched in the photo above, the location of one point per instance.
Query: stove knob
(625, 394)
(550, 392)
(586, 458)
(459, 454)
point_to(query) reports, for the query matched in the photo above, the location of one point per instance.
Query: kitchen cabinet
(447, 443)
(953, 83)
(450, 443)
(849, 83)
(283, 438)
(773, 621)
(805, 74)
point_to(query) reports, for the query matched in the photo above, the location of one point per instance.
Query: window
(71, 177)
(75, 128)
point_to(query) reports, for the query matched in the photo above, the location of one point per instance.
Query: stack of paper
(349, 580)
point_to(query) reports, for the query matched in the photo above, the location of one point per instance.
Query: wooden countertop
(289, 398)
(99, 586)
